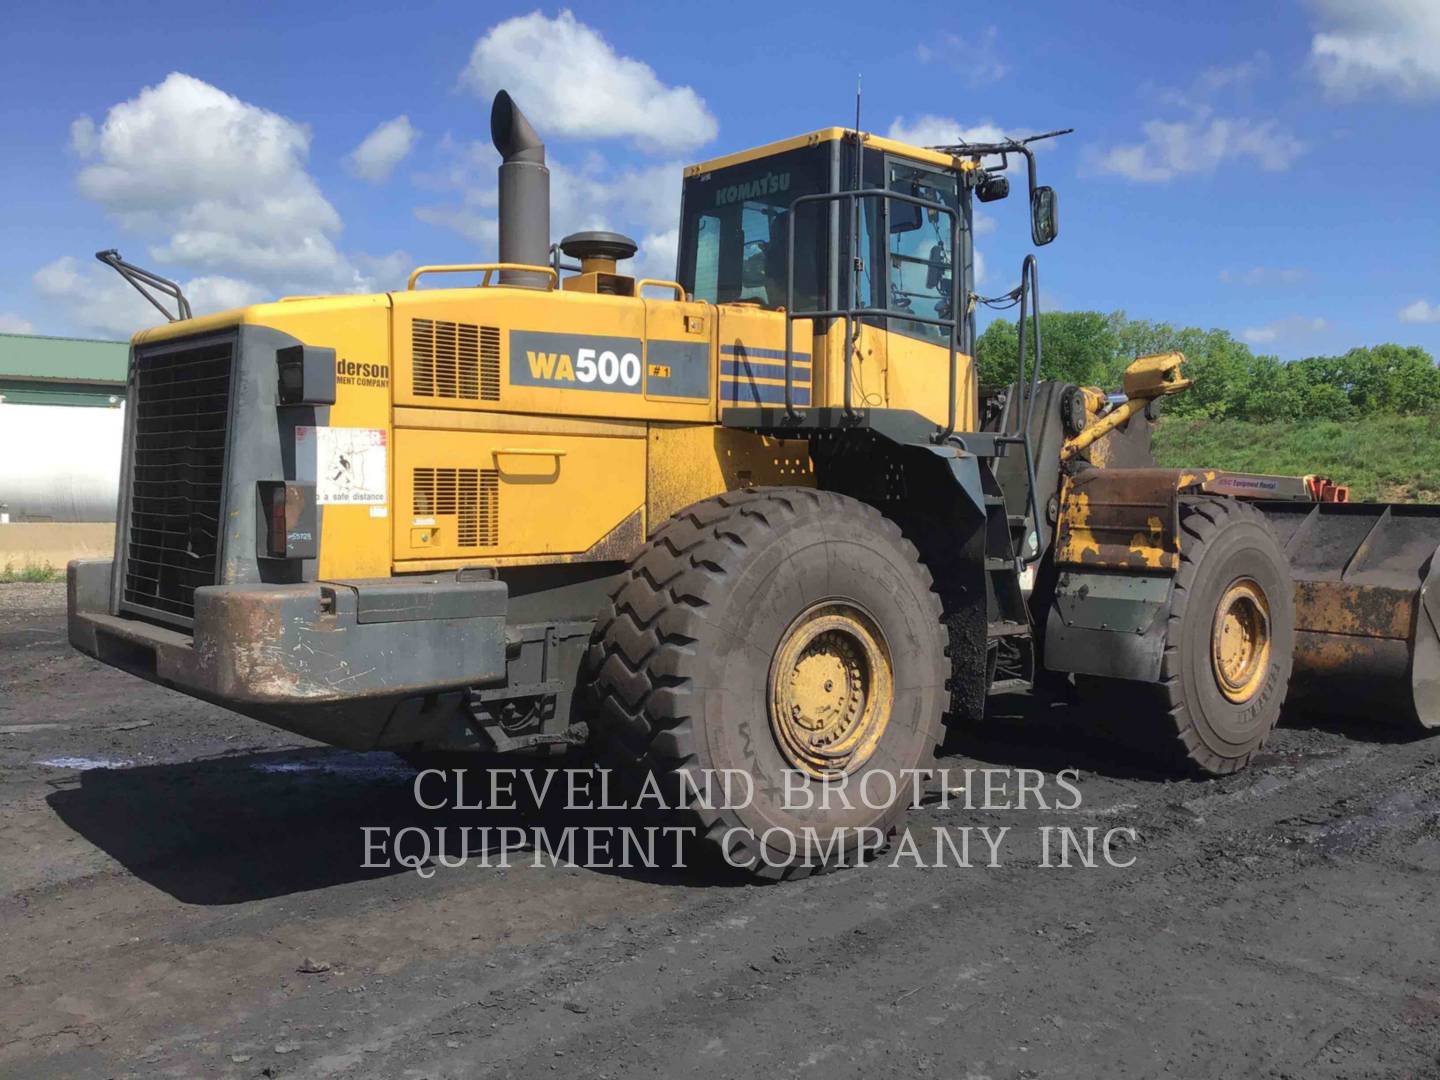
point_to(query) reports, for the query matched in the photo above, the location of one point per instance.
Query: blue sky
(1268, 168)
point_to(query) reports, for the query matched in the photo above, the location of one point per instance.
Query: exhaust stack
(524, 217)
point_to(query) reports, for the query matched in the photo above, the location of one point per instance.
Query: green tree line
(1231, 381)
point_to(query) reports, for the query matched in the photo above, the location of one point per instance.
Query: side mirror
(1044, 216)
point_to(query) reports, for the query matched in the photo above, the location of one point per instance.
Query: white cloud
(1264, 275)
(931, 130)
(1200, 146)
(218, 190)
(10, 323)
(1210, 84)
(657, 255)
(385, 272)
(1388, 46)
(100, 301)
(571, 82)
(474, 224)
(97, 300)
(1296, 326)
(1421, 311)
(1224, 76)
(642, 202)
(82, 136)
(976, 58)
(384, 148)
(223, 179)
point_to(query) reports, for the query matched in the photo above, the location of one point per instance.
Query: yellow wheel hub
(1240, 640)
(831, 687)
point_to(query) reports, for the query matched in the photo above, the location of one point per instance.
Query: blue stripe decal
(769, 365)
(753, 394)
(759, 354)
(739, 369)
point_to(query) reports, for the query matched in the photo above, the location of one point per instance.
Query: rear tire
(775, 631)
(1229, 644)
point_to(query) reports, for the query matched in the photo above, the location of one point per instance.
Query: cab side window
(919, 251)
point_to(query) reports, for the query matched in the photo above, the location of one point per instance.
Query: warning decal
(347, 465)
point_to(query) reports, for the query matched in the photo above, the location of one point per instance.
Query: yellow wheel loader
(759, 517)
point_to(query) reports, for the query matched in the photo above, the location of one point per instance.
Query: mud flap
(1108, 624)
(1117, 546)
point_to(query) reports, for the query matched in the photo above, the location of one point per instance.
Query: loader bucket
(1367, 608)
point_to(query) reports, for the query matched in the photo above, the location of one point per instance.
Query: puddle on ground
(1395, 813)
(85, 763)
(347, 765)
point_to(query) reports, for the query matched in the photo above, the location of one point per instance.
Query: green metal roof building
(38, 370)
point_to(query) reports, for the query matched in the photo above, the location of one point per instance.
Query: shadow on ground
(1025, 731)
(254, 826)
(1091, 734)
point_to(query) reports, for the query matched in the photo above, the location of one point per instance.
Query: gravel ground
(170, 871)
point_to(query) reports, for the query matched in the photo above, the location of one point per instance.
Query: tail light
(286, 525)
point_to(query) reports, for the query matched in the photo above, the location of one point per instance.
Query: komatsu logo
(769, 184)
(576, 361)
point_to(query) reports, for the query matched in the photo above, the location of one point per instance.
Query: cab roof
(814, 138)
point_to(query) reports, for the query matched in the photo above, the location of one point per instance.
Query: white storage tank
(59, 462)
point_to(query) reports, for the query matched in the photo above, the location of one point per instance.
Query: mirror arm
(1029, 171)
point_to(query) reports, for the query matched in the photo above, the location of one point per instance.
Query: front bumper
(330, 660)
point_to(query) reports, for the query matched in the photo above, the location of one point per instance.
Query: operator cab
(736, 218)
(906, 259)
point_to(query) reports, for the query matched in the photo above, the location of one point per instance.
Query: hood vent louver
(470, 498)
(460, 361)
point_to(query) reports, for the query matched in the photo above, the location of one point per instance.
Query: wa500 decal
(575, 361)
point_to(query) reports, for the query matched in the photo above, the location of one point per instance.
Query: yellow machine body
(420, 548)
(553, 425)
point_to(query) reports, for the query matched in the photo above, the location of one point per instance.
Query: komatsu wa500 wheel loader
(756, 518)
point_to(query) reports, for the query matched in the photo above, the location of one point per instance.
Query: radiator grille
(455, 360)
(182, 402)
(470, 496)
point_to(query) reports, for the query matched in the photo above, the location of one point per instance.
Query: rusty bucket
(1367, 608)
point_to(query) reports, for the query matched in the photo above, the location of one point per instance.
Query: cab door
(923, 276)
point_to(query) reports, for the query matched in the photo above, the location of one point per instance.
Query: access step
(1008, 686)
(1007, 629)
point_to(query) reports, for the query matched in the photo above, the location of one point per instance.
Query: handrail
(1029, 290)
(139, 278)
(661, 283)
(853, 313)
(475, 268)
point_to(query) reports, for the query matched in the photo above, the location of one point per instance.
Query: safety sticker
(347, 465)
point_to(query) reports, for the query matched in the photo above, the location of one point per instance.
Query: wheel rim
(1240, 640)
(831, 690)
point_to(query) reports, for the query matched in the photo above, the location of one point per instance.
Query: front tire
(782, 633)
(1229, 643)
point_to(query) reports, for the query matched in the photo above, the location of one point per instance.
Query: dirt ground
(169, 868)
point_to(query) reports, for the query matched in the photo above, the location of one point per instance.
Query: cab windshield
(733, 232)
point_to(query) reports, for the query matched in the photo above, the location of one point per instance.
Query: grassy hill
(1387, 458)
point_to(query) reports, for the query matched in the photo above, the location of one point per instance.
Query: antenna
(859, 82)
